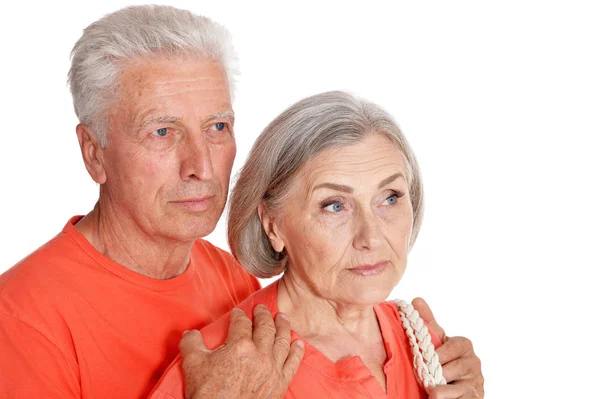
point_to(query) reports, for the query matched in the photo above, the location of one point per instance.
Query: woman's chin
(373, 289)
(369, 297)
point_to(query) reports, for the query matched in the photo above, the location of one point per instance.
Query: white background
(499, 101)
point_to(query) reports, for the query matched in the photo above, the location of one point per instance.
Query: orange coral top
(75, 324)
(319, 377)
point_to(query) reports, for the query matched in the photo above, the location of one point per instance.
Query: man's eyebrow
(220, 115)
(159, 119)
(173, 119)
(390, 179)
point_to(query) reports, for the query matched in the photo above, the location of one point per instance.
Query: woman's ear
(271, 228)
(91, 152)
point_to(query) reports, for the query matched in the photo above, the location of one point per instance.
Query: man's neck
(122, 241)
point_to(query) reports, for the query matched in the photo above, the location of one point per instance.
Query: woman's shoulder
(215, 334)
(399, 315)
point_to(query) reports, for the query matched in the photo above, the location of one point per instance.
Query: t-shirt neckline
(347, 369)
(122, 271)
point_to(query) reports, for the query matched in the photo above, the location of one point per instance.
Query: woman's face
(346, 225)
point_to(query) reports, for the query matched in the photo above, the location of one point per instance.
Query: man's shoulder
(203, 251)
(208, 247)
(215, 261)
(32, 291)
(41, 264)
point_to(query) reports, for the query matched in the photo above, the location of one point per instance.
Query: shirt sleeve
(32, 366)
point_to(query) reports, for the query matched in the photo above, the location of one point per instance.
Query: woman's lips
(369, 270)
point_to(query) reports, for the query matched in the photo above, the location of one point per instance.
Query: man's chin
(191, 227)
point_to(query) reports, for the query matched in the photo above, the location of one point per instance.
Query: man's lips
(198, 204)
(369, 270)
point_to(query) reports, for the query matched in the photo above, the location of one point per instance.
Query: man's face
(171, 148)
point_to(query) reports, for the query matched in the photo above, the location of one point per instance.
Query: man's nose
(367, 235)
(196, 161)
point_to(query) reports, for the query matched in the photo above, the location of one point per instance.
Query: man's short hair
(138, 33)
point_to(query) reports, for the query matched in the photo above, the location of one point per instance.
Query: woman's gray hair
(138, 33)
(327, 120)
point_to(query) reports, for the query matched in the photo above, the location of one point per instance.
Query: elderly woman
(331, 196)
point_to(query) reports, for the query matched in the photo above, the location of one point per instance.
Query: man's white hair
(138, 33)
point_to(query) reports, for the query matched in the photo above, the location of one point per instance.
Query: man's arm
(31, 366)
(256, 361)
(461, 367)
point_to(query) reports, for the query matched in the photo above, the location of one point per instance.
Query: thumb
(192, 343)
(427, 315)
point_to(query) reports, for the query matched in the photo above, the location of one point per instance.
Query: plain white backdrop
(501, 103)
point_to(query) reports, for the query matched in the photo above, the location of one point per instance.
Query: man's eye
(334, 207)
(162, 132)
(220, 126)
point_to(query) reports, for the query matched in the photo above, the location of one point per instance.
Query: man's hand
(461, 367)
(256, 361)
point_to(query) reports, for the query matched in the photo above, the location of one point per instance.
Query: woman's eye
(220, 126)
(392, 199)
(162, 132)
(334, 207)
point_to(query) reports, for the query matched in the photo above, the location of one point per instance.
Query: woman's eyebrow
(390, 179)
(333, 186)
(350, 190)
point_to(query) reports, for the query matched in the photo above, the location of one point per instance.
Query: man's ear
(92, 153)
(271, 228)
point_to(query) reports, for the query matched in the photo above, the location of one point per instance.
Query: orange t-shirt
(74, 324)
(318, 377)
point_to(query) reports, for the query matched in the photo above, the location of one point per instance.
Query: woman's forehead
(373, 158)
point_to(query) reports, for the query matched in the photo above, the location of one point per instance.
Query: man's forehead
(160, 76)
(164, 91)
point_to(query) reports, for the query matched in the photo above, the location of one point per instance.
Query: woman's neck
(320, 320)
(336, 329)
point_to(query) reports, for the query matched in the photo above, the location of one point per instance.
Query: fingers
(460, 364)
(427, 315)
(293, 361)
(281, 346)
(240, 327)
(458, 391)
(454, 348)
(462, 368)
(263, 329)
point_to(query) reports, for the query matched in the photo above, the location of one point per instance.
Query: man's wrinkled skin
(259, 362)
(461, 367)
(256, 360)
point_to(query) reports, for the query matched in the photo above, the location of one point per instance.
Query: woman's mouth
(369, 270)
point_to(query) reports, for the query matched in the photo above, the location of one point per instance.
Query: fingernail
(185, 332)
(285, 317)
(300, 343)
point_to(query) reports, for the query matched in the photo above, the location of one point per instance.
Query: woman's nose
(367, 235)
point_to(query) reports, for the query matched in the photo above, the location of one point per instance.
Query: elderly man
(99, 310)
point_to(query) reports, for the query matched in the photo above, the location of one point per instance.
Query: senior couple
(330, 196)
